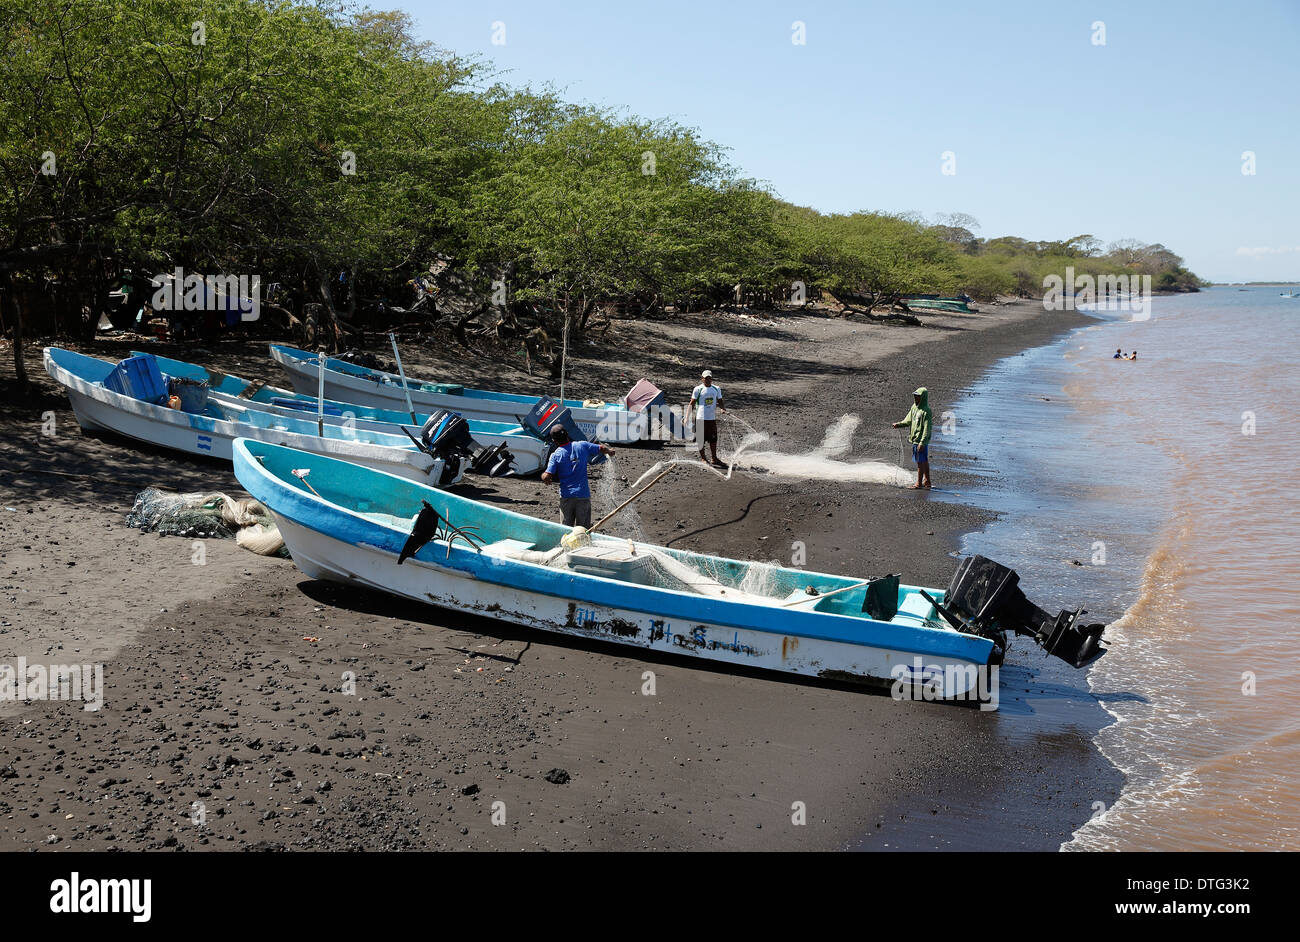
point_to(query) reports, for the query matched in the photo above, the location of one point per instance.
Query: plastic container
(193, 395)
(613, 562)
(139, 377)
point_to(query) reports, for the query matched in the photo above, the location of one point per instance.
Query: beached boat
(366, 528)
(527, 451)
(933, 302)
(125, 398)
(611, 422)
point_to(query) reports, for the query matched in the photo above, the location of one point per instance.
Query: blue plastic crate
(139, 377)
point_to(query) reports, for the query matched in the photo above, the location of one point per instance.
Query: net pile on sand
(202, 516)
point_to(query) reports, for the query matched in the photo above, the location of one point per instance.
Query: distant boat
(610, 422)
(365, 528)
(126, 398)
(933, 302)
(1293, 294)
(527, 450)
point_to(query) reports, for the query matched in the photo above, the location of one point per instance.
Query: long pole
(564, 354)
(320, 395)
(402, 373)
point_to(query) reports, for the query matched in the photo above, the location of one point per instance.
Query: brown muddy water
(1158, 493)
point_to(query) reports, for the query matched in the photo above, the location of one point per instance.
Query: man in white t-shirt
(706, 399)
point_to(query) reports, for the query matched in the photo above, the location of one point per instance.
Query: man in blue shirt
(568, 468)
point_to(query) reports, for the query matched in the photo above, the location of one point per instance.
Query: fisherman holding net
(919, 418)
(709, 399)
(568, 468)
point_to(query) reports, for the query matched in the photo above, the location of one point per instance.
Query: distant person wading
(920, 419)
(568, 468)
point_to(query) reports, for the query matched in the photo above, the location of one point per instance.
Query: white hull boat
(369, 529)
(214, 431)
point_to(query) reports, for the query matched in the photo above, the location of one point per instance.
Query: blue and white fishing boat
(128, 398)
(363, 527)
(611, 422)
(527, 450)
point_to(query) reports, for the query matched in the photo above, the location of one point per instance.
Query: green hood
(918, 418)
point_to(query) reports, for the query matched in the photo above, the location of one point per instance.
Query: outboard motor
(546, 415)
(984, 598)
(446, 435)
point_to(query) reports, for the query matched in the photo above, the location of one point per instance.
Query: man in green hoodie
(919, 418)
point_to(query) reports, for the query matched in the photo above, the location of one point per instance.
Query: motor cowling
(446, 433)
(985, 598)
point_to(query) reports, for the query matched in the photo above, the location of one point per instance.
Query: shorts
(576, 511)
(710, 430)
(921, 453)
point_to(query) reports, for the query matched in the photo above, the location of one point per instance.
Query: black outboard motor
(446, 435)
(984, 598)
(447, 432)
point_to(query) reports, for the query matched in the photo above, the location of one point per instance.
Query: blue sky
(1053, 135)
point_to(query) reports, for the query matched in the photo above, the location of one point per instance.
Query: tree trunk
(311, 313)
(15, 312)
(584, 313)
(327, 327)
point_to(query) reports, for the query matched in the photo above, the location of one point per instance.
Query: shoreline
(715, 759)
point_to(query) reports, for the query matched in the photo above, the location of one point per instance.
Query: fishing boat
(127, 398)
(611, 422)
(933, 302)
(362, 527)
(526, 451)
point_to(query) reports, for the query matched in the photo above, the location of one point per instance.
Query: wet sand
(219, 707)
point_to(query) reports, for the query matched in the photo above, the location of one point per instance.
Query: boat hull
(321, 556)
(97, 408)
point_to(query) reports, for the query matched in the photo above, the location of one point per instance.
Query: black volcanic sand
(225, 681)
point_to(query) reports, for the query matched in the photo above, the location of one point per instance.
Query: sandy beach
(223, 701)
